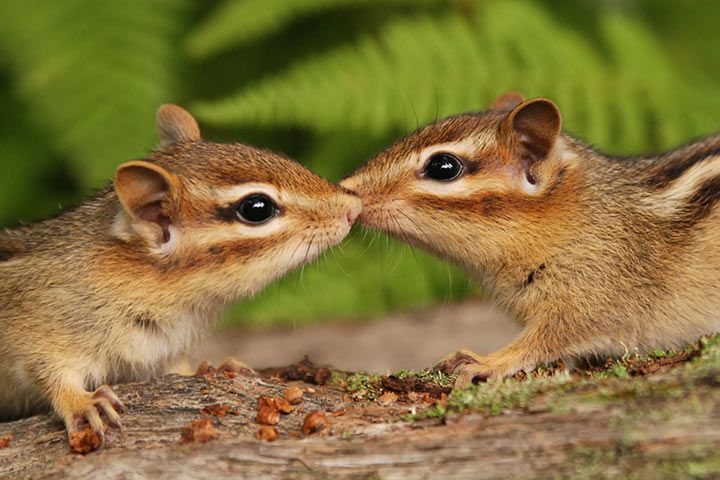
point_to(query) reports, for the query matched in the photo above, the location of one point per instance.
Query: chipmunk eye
(256, 209)
(443, 167)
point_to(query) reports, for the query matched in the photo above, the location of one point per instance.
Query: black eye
(443, 167)
(256, 209)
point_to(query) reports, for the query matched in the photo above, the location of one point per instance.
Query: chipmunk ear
(176, 125)
(536, 124)
(143, 188)
(507, 101)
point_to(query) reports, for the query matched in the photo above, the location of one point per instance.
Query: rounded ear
(141, 188)
(176, 125)
(507, 101)
(536, 124)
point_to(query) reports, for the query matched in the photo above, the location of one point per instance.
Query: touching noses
(353, 212)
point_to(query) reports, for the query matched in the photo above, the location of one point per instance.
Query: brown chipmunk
(115, 289)
(594, 255)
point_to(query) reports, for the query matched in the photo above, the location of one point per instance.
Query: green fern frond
(236, 22)
(93, 73)
(422, 67)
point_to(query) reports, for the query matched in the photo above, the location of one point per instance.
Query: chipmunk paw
(453, 362)
(85, 426)
(480, 372)
(230, 368)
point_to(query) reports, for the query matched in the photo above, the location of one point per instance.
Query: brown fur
(104, 294)
(608, 254)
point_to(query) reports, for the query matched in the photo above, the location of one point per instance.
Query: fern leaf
(237, 22)
(77, 66)
(427, 66)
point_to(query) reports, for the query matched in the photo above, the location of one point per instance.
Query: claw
(235, 366)
(86, 428)
(105, 406)
(455, 361)
(205, 369)
(107, 393)
(469, 374)
(85, 439)
(230, 368)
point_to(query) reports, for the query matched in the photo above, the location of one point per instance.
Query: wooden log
(655, 427)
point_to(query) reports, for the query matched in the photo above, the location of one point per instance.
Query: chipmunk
(115, 289)
(594, 255)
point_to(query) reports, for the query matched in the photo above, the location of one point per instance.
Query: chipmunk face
(467, 185)
(226, 213)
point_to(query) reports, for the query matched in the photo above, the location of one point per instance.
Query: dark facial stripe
(486, 205)
(5, 255)
(702, 202)
(227, 213)
(675, 168)
(489, 204)
(243, 249)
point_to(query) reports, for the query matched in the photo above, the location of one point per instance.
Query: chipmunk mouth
(317, 239)
(386, 215)
(355, 208)
(391, 218)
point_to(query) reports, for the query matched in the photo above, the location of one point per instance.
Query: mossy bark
(662, 425)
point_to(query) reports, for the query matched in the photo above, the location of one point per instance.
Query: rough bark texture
(662, 425)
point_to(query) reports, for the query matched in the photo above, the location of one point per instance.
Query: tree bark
(654, 427)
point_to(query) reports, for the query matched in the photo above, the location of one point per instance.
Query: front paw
(472, 373)
(230, 368)
(86, 429)
(489, 368)
(452, 363)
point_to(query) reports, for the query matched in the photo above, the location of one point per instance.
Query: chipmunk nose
(354, 210)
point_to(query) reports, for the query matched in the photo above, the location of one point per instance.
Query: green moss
(706, 366)
(705, 352)
(659, 353)
(627, 461)
(337, 379)
(364, 385)
(493, 397)
(710, 342)
(619, 370)
(623, 380)
(427, 376)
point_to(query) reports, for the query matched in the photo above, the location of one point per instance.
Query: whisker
(412, 106)
(437, 100)
(399, 256)
(370, 244)
(340, 267)
(409, 219)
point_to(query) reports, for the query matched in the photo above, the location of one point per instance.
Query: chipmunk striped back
(594, 254)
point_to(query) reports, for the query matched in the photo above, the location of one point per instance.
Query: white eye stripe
(463, 149)
(229, 195)
(463, 187)
(234, 232)
(236, 192)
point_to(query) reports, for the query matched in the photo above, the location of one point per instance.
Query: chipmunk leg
(79, 408)
(535, 345)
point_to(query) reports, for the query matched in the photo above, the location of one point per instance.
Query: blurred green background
(331, 82)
